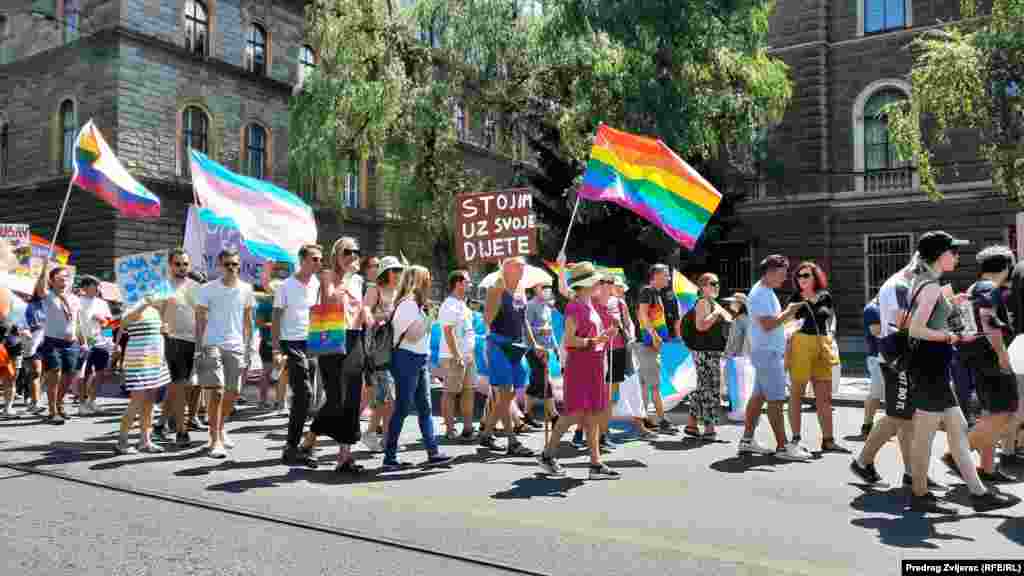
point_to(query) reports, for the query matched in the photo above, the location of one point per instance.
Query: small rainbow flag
(99, 171)
(685, 291)
(645, 176)
(657, 320)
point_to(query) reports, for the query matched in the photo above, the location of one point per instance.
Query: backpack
(381, 344)
(897, 347)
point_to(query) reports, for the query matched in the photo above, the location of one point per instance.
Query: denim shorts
(769, 374)
(60, 355)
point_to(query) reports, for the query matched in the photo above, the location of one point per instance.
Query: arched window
(195, 127)
(197, 27)
(72, 15)
(879, 153)
(5, 148)
(256, 151)
(256, 50)
(69, 129)
(307, 62)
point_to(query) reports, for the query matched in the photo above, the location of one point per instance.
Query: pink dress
(584, 380)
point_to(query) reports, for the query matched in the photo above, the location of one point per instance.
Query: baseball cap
(933, 244)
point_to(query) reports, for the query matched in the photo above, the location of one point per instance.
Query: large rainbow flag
(645, 176)
(273, 222)
(99, 171)
(685, 291)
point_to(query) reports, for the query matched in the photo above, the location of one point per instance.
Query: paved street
(681, 507)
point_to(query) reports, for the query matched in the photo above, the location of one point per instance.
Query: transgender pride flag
(273, 222)
(99, 171)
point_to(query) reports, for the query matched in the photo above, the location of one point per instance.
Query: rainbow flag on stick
(685, 291)
(99, 171)
(645, 176)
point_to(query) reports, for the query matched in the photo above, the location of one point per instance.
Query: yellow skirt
(810, 358)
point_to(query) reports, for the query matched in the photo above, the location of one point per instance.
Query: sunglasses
(233, 265)
(350, 252)
(804, 276)
(316, 258)
(713, 284)
(181, 264)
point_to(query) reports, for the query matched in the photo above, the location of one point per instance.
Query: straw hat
(583, 275)
(388, 263)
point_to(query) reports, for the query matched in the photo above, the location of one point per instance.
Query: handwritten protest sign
(490, 226)
(143, 274)
(20, 239)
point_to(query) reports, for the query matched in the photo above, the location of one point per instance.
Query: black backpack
(379, 345)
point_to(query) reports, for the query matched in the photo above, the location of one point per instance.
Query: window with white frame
(307, 62)
(350, 192)
(197, 27)
(256, 50)
(884, 255)
(879, 152)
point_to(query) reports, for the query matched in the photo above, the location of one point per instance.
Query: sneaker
(295, 456)
(8, 412)
(92, 407)
(487, 441)
(265, 405)
(996, 477)
(929, 503)
(792, 453)
(452, 435)
(467, 435)
(35, 408)
(550, 466)
(371, 441)
(603, 472)
(666, 427)
(218, 452)
(228, 442)
(183, 440)
(158, 434)
(532, 425)
(835, 448)
(866, 473)
(439, 459)
(648, 435)
(578, 440)
(517, 450)
(908, 480)
(395, 466)
(83, 409)
(993, 501)
(123, 448)
(607, 442)
(150, 448)
(56, 418)
(195, 426)
(750, 446)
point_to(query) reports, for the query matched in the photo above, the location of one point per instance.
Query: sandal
(349, 467)
(692, 431)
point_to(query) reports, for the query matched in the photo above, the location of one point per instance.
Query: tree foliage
(969, 77)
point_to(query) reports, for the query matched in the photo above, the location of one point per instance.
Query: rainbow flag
(685, 291)
(98, 171)
(273, 222)
(657, 320)
(645, 176)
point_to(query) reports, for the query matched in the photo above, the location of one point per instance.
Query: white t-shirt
(762, 302)
(454, 312)
(892, 299)
(407, 313)
(225, 316)
(296, 298)
(183, 317)
(91, 328)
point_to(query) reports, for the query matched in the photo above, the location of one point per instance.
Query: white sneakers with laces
(794, 451)
(750, 446)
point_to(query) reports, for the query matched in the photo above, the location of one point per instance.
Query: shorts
(266, 351)
(649, 361)
(877, 391)
(540, 377)
(619, 359)
(811, 358)
(898, 393)
(769, 374)
(59, 354)
(180, 359)
(98, 360)
(383, 388)
(83, 353)
(998, 393)
(930, 377)
(502, 370)
(221, 369)
(458, 377)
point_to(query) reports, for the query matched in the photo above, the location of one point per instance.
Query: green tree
(971, 76)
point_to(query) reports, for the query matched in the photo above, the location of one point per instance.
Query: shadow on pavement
(630, 463)
(750, 463)
(256, 428)
(683, 444)
(60, 453)
(538, 486)
(320, 476)
(169, 456)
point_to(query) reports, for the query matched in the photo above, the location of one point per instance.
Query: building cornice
(894, 34)
(958, 192)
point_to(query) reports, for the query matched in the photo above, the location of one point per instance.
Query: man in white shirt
(767, 354)
(94, 319)
(180, 318)
(289, 330)
(456, 354)
(62, 337)
(224, 330)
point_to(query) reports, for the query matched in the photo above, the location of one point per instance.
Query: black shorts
(619, 361)
(180, 357)
(898, 401)
(98, 360)
(266, 351)
(540, 382)
(997, 392)
(930, 377)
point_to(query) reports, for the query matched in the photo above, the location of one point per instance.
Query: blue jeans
(412, 383)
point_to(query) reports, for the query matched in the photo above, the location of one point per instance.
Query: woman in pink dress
(585, 387)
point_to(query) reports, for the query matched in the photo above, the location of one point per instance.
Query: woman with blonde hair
(410, 369)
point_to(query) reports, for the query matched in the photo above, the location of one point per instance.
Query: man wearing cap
(654, 330)
(510, 339)
(767, 354)
(94, 318)
(380, 300)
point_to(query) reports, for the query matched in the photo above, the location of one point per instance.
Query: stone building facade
(830, 187)
(158, 76)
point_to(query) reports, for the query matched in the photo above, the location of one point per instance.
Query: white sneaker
(9, 412)
(371, 441)
(752, 447)
(218, 452)
(36, 409)
(83, 409)
(92, 407)
(794, 452)
(228, 442)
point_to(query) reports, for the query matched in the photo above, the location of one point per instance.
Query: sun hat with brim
(388, 263)
(584, 275)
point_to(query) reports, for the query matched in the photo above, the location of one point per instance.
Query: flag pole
(60, 219)
(568, 230)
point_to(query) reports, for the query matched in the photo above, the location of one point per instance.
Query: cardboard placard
(140, 275)
(491, 226)
(20, 238)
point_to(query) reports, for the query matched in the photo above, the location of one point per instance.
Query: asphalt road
(682, 506)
